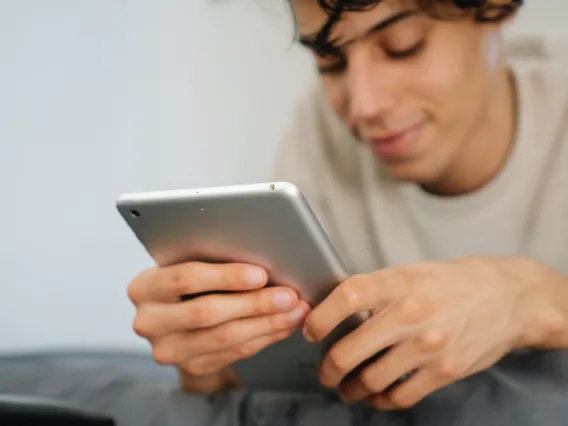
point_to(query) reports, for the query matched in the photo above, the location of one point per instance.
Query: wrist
(209, 384)
(545, 308)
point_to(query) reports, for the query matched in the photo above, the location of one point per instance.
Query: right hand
(203, 336)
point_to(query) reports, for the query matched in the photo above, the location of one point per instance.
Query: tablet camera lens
(135, 213)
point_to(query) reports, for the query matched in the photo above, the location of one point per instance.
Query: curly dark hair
(480, 10)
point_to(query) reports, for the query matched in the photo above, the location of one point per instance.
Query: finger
(354, 349)
(153, 320)
(409, 393)
(395, 364)
(374, 336)
(215, 362)
(170, 283)
(240, 332)
(176, 348)
(359, 293)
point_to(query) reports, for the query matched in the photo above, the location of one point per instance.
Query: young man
(436, 163)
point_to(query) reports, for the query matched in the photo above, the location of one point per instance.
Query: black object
(470, 4)
(18, 410)
(467, 4)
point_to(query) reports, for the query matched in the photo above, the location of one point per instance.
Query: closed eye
(337, 66)
(406, 53)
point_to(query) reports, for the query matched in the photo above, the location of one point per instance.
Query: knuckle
(142, 326)
(202, 313)
(135, 288)
(550, 320)
(163, 354)
(133, 291)
(368, 381)
(225, 336)
(413, 309)
(181, 279)
(432, 340)
(403, 400)
(449, 369)
(262, 302)
(338, 361)
(351, 291)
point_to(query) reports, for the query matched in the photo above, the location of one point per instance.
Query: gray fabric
(130, 388)
(524, 389)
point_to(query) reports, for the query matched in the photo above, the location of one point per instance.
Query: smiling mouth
(396, 144)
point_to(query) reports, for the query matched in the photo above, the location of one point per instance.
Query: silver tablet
(270, 225)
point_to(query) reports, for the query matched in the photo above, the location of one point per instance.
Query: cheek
(449, 81)
(335, 95)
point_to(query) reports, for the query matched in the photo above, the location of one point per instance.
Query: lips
(396, 144)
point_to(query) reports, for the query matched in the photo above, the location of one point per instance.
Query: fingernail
(254, 277)
(307, 335)
(297, 315)
(283, 300)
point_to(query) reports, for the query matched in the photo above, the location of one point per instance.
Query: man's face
(411, 86)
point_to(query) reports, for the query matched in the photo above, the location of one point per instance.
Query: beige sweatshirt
(374, 222)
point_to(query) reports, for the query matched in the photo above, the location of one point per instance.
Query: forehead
(311, 17)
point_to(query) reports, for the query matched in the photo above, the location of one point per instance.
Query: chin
(415, 171)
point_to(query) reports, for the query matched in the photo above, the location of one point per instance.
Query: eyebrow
(312, 42)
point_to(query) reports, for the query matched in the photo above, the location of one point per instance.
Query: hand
(440, 321)
(202, 336)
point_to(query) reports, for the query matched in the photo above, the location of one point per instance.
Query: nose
(369, 89)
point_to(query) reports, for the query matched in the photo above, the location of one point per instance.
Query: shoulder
(538, 47)
(540, 62)
(316, 141)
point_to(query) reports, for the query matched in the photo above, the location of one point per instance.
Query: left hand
(442, 321)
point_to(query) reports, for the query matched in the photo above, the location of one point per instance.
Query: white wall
(99, 97)
(542, 14)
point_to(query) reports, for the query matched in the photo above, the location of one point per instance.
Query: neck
(489, 143)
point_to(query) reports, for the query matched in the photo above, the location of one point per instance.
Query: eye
(406, 53)
(335, 66)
